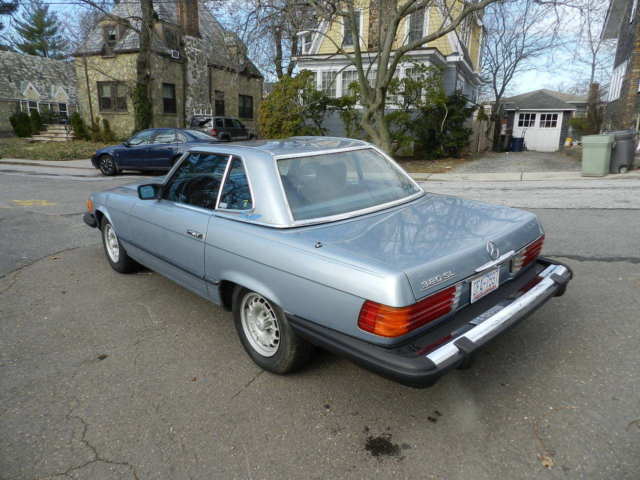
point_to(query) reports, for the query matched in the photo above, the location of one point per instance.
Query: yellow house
(322, 49)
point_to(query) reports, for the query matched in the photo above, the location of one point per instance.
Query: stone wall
(234, 84)
(7, 108)
(120, 68)
(167, 70)
(197, 73)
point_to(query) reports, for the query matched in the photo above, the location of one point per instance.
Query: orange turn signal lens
(90, 205)
(396, 321)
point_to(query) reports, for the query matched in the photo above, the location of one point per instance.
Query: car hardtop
(270, 206)
(286, 147)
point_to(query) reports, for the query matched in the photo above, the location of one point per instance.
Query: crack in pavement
(246, 385)
(18, 270)
(96, 456)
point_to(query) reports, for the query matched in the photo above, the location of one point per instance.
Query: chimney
(187, 11)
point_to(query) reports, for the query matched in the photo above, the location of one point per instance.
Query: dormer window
(304, 43)
(170, 38)
(110, 33)
(416, 26)
(347, 39)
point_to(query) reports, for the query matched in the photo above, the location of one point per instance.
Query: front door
(135, 152)
(171, 232)
(163, 148)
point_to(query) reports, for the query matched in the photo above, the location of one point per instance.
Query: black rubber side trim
(90, 219)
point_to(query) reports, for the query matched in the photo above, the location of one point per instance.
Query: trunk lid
(435, 240)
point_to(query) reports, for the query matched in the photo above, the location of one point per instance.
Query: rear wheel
(623, 169)
(116, 254)
(107, 165)
(266, 334)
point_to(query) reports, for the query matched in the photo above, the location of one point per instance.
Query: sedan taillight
(213, 132)
(396, 321)
(527, 255)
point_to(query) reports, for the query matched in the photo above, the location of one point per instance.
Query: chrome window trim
(226, 174)
(172, 172)
(354, 213)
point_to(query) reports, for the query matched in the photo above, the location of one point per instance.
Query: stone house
(623, 105)
(29, 82)
(196, 67)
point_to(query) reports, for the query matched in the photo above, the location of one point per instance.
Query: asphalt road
(108, 376)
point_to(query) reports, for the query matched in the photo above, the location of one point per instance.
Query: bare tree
(383, 52)
(519, 32)
(590, 53)
(269, 28)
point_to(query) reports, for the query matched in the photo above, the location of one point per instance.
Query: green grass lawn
(73, 150)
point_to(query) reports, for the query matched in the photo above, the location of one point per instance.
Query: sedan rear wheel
(107, 165)
(266, 334)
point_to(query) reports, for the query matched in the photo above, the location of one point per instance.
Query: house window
(245, 106)
(416, 26)
(112, 96)
(329, 84)
(617, 78)
(414, 94)
(63, 109)
(169, 97)
(347, 38)
(348, 77)
(526, 119)
(110, 33)
(170, 38)
(304, 43)
(548, 120)
(218, 99)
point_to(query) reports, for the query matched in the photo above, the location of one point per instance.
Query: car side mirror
(151, 191)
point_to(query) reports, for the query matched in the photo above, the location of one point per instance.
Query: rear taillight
(213, 132)
(527, 255)
(396, 321)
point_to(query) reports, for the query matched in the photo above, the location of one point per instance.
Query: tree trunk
(497, 126)
(373, 123)
(86, 78)
(142, 95)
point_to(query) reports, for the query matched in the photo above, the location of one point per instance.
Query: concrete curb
(83, 164)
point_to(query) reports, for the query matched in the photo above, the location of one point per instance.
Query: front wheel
(266, 334)
(623, 169)
(107, 165)
(116, 254)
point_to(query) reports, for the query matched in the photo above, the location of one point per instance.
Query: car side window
(228, 123)
(165, 136)
(219, 123)
(237, 124)
(141, 138)
(197, 180)
(236, 194)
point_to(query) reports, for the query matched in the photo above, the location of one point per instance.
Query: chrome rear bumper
(457, 348)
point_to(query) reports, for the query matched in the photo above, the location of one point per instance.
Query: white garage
(541, 130)
(542, 118)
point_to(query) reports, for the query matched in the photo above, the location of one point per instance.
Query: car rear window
(320, 186)
(236, 194)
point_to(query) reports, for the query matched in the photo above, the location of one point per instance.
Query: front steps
(54, 133)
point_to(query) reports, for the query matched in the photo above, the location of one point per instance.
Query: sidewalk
(84, 168)
(516, 176)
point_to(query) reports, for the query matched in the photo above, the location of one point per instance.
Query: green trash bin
(596, 155)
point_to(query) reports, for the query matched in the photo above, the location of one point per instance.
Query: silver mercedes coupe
(321, 241)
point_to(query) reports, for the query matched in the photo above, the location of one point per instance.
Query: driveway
(516, 162)
(130, 377)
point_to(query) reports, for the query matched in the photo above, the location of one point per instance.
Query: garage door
(541, 130)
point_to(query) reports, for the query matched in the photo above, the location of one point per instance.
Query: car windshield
(199, 135)
(331, 184)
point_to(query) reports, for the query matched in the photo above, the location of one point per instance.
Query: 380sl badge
(430, 282)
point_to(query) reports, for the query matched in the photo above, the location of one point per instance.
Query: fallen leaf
(547, 461)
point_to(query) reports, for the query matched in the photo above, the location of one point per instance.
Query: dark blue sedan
(153, 149)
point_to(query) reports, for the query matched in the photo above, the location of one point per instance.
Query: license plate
(485, 284)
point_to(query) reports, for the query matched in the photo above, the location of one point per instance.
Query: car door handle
(195, 234)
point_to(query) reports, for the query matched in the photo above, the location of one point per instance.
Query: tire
(623, 169)
(278, 351)
(115, 252)
(107, 165)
